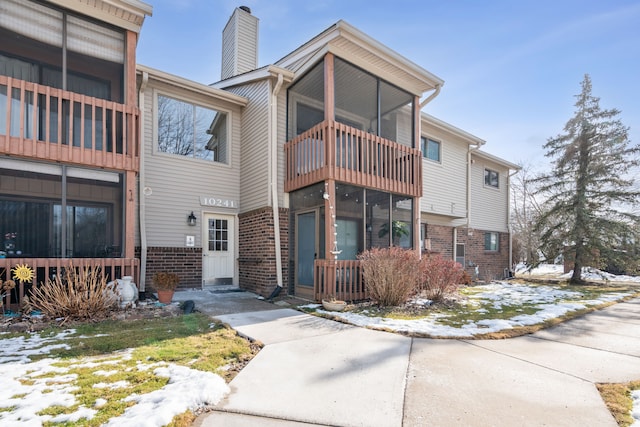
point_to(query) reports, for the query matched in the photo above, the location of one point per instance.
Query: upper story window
(430, 149)
(191, 130)
(491, 178)
(33, 36)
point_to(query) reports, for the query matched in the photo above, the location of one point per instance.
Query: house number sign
(214, 201)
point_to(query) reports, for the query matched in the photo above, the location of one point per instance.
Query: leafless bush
(390, 274)
(78, 295)
(439, 277)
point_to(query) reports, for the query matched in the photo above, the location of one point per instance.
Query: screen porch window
(61, 50)
(50, 211)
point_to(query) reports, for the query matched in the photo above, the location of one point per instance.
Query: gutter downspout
(430, 97)
(141, 201)
(509, 226)
(274, 182)
(469, 151)
(424, 102)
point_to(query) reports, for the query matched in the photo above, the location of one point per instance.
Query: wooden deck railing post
(32, 111)
(45, 268)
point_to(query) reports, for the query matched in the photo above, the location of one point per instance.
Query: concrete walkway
(314, 371)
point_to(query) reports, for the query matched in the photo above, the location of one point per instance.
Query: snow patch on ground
(549, 301)
(30, 387)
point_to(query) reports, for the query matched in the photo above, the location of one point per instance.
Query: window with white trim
(430, 149)
(191, 130)
(491, 178)
(491, 241)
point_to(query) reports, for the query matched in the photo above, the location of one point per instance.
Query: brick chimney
(239, 43)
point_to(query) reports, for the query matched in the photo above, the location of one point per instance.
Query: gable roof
(351, 44)
(128, 14)
(182, 83)
(484, 155)
(470, 139)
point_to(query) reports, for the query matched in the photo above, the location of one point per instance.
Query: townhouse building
(272, 179)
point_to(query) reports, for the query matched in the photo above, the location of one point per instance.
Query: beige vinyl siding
(228, 48)
(247, 43)
(444, 184)
(489, 205)
(254, 180)
(178, 182)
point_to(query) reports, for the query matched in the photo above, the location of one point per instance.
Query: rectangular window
(491, 178)
(54, 212)
(190, 130)
(460, 254)
(218, 235)
(491, 241)
(430, 149)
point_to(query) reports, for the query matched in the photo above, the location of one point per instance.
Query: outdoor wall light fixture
(191, 219)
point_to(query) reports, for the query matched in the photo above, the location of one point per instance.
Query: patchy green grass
(108, 361)
(617, 397)
(93, 339)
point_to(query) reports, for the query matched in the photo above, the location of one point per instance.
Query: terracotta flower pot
(165, 295)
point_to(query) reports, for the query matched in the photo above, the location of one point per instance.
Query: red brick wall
(491, 264)
(257, 255)
(185, 262)
(441, 238)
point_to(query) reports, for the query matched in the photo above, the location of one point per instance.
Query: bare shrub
(390, 274)
(439, 277)
(77, 295)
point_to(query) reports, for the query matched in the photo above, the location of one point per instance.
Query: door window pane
(218, 235)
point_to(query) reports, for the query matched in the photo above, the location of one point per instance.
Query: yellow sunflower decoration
(23, 273)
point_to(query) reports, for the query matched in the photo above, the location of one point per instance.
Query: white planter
(334, 305)
(128, 291)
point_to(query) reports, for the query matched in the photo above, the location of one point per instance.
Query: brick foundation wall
(441, 238)
(185, 262)
(257, 256)
(490, 264)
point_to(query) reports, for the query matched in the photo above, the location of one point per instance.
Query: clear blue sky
(511, 67)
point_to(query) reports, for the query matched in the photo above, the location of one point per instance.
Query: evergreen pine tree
(589, 191)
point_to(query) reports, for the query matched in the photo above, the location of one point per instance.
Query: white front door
(218, 250)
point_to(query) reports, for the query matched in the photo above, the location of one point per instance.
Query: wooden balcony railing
(339, 279)
(332, 150)
(46, 123)
(47, 268)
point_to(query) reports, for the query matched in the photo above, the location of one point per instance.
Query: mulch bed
(147, 309)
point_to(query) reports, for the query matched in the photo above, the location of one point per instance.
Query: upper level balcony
(42, 122)
(333, 150)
